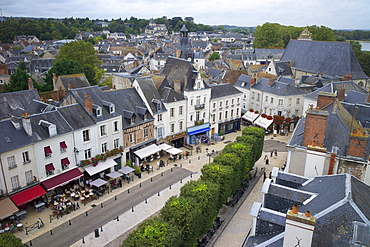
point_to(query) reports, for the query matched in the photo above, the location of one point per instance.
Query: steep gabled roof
(20, 99)
(330, 58)
(151, 93)
(222, 90)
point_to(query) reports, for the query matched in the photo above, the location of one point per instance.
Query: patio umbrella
(98, 182)
(126, 170)
(114, 175)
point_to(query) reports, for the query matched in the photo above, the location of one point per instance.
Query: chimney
(341, 93)
(69, 86)
(324, 99)
(315, 126)
(299, 228)
(88, 103)
(30, 84)
(271, 81)
(26, 122)
(357, 143)
(347, 77)
(177, 86)
(319, 74)
(135, 63)
(252, 81)
(54, 80)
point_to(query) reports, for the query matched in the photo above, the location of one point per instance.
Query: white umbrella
(114, 175)
(126, 170)
(98, 182)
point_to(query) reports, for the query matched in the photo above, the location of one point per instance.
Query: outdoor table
(21, 214)
(20, 227)
(91, 194)
(40, 206)
(6, 229)
(1, 231)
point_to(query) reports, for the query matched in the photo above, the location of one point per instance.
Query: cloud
(333, 14)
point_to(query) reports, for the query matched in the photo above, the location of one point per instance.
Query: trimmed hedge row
(187, 217)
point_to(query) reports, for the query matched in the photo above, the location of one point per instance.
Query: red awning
(28, 195)
(65, 161)
(50, 167)
(62, 179)
(63, 145)
(47, 150)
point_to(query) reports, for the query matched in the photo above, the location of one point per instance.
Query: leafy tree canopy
(214, 56)
(9, 240)
(19, 80)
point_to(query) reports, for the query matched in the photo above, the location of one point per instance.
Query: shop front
(28, 195)
(62, 179)
(198, 134)
(131, 154)
(229, 126)
(177, 140)
(100, 169)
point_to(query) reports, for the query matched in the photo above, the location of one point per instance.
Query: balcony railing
(199, 122)
(198, 107)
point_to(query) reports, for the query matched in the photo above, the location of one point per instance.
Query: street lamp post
(209, 154)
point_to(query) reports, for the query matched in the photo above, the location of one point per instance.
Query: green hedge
(191, 214)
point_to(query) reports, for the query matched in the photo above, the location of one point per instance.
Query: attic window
(98, 112)
(111, 109)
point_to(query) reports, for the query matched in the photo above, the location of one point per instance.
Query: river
(365, 46)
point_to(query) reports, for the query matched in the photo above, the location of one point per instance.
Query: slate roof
(169, 95)
(12, 138)
(243, 81)
(279, 88)
(330, 58)
(262, 53)
(129, 101)
(151, 93)
(76, 116)
(337, 201)
(222, 90)
(9, 102)
(76, 80)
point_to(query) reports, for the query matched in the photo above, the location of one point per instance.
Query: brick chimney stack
(272, 81)
(26, 122)
(347, 77)
(88, 103)
(69, 86)
(341, 93)
(252, 81)
(324, 99)
(315, 127)
(30, 84)
(357, 143)
(299, 228)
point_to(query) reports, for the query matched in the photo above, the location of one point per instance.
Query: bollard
(198, 157)
(181, 165)
(83, 240)
(117, 218)
(132, 209)
(171, 169)
(128, 191)
(96, 233)
(146, 200)
(151, 179)
(158, 193)
(69, 222)
(181, 181)
(170, 187)
(101, 205)
(140, 185)
(161, 174)
(30, 243)
(101, 228)
(191, 175)
(87, 214)
(189, 161)
(51, 232)
(115, 198)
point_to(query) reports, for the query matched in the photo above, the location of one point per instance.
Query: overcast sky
(336, 14)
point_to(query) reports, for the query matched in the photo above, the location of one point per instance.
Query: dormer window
(111, 109)
(98, 112)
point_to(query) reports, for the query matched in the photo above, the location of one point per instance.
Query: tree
(322, 33)
(214, 56)
(84, 53)
(356, 46)
(364, 60)
(62, 66)
(189, 19)
(9, 240)
(154, 232)
(19, 80)
(268, 35)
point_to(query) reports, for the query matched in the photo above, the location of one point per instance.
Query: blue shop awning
(198, 131)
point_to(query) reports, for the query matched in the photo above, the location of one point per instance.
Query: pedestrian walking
(275, 153)
(265, 157)
(267, 161)
(264, 176)
(270, 175)
(272, 152)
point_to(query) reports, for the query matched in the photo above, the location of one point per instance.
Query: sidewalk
(235, 232)
(127, 220)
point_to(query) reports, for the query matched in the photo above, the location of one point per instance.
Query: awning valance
(62, 179)
(147, 151)
(173, 151)
(250, 116)
(101, 166)
(164, 146)
(7, 208)
(263, 122)
(126, 170)
(199, 131)
(28, 195)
